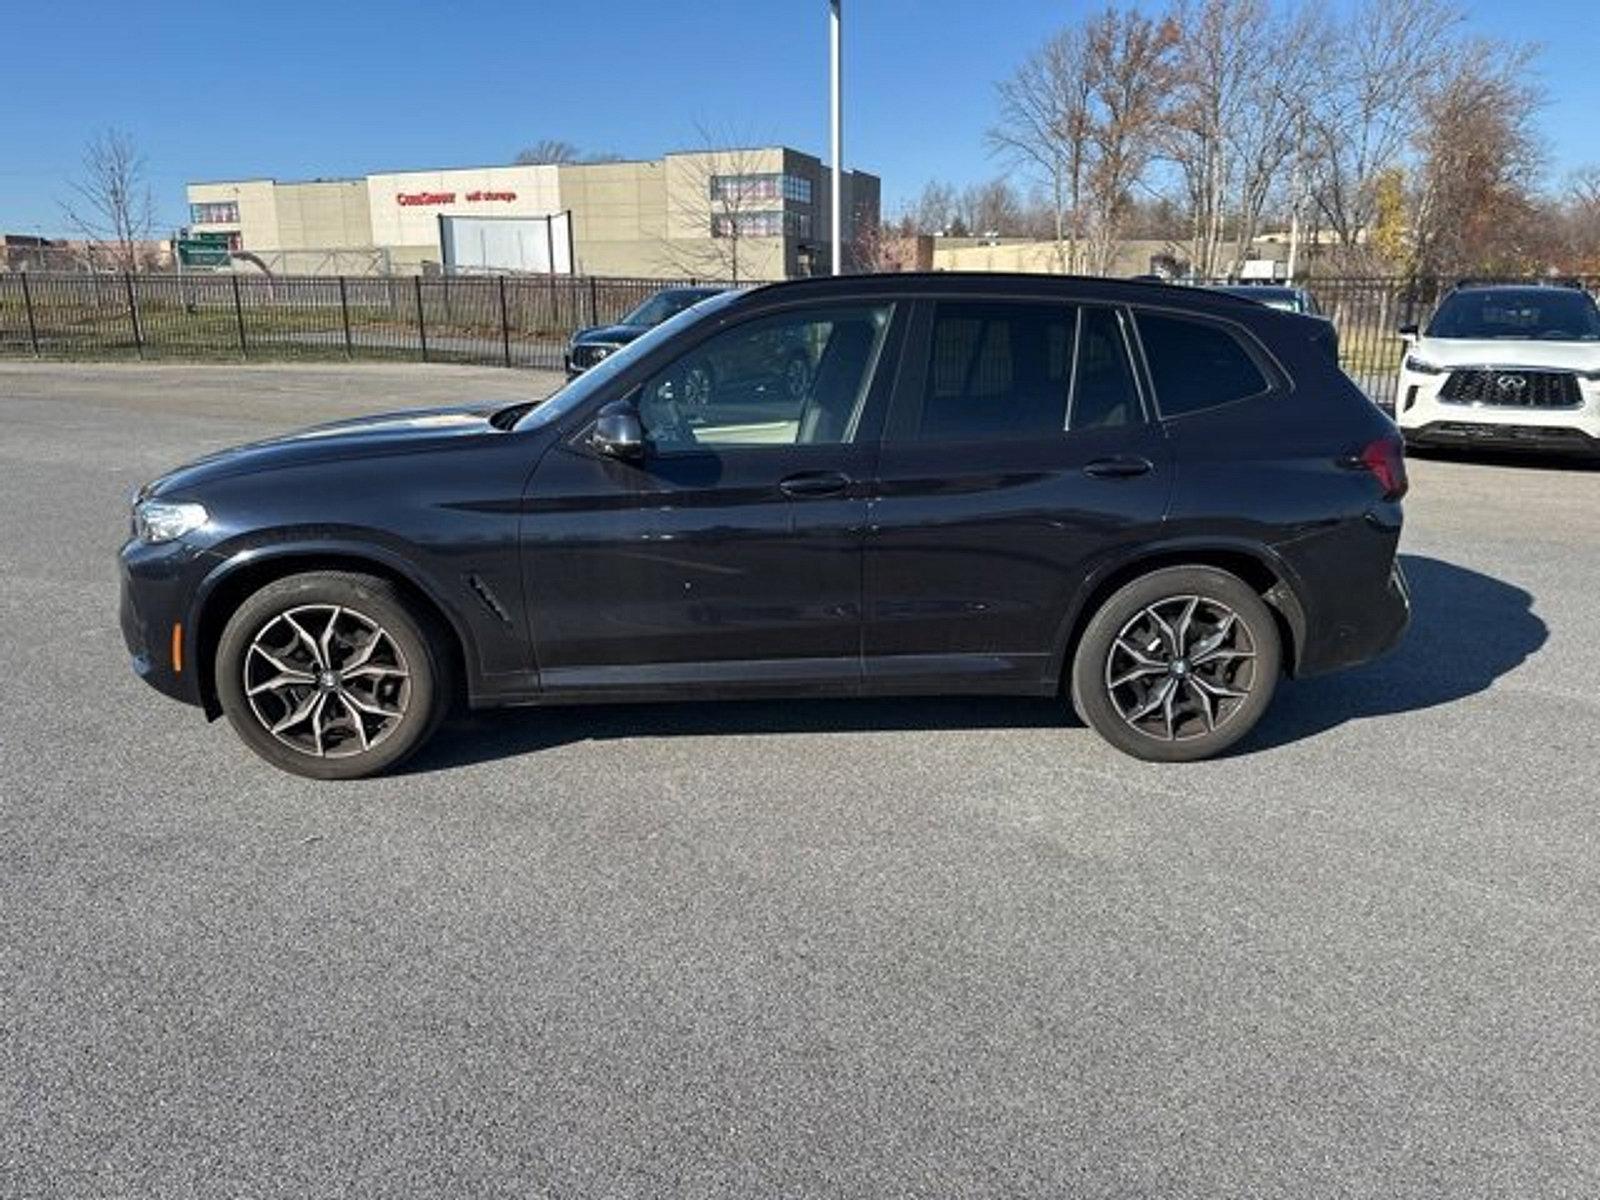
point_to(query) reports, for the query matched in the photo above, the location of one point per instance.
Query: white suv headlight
(1422, 366)
(157, 521)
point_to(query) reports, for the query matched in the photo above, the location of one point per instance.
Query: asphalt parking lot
(885, 948)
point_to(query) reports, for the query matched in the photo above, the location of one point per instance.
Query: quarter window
(1196, 365)
(795, 379)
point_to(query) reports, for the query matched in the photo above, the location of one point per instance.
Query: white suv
(1504, 365)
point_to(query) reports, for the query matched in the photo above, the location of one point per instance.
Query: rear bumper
(1350, 602)
(1554, 439)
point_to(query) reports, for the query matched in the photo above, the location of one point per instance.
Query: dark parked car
(589, 346)
(1274, 295)
(1149, 499)
(1286, 298)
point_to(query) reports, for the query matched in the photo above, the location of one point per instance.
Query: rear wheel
(1177, 665)
(332, 675)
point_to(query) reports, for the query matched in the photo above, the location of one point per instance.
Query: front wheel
(1177, 665)
(332, 675)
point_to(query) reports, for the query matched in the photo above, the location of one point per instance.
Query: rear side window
(1196, 365)
(1001, 370)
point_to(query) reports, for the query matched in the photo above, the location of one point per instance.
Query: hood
(360, 437)
(619, 335)
(1509, 353)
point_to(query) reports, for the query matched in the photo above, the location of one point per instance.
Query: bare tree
(1379, 67)
(936, 209)
(547, 151)
(991, 209)
(1580, 221)
(720, 197)
(111, 205)
(1475, 209)
(1044, 125)
(1130, 70)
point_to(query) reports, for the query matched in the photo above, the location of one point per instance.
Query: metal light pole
(836, 115)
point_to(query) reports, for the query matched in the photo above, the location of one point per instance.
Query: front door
(730, 553)
(1017, 456)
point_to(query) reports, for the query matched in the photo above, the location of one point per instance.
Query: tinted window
(799, 378)
(998, 370)
(1551, 313)
(1104, 393)
(1196, 365)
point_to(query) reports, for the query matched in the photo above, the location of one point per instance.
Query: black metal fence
(516, 321)
(505, 320)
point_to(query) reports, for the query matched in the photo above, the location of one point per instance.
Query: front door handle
(814, 483)
(1123, 467)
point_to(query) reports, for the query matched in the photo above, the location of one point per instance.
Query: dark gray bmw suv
(1148, 500)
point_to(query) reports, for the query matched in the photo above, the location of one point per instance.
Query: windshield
(661, 306)
(1552, 314)
(580, 389)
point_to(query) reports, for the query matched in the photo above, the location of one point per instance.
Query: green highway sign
(204, 250)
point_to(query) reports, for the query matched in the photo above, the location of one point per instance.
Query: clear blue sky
(294, 89)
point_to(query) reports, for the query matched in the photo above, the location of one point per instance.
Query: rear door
(1018, 454)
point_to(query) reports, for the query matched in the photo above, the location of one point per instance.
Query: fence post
(238, 317)
(344, 313)
(422, 325)
(27, 303)
(133, 313)
(594, 303)
(505, 321)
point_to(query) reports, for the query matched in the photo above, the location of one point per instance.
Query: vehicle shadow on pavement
(505, 733)
(1467, 630)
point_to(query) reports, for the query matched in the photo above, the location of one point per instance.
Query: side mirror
(618, 432)
(1408, 331)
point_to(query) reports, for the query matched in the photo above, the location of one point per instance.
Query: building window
(222, 212)
(766, 223)
(761, 187)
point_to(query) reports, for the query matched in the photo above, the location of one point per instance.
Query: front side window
(794, 379)
(1196, 365)
(1000, 370)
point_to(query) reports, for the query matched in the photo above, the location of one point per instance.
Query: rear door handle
(814, 483)
(1126, 467)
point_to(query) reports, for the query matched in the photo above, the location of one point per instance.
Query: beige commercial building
(749, 214)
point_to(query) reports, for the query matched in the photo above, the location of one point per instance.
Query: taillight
(1386, 459)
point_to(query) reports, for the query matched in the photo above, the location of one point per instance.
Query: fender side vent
(490, 600)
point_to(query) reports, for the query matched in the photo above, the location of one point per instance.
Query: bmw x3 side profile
(1150, 502)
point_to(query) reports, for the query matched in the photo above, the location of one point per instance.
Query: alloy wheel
(326, 680)
(1181, 668)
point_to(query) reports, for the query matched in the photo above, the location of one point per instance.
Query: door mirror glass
(618, 432)
(1409, 331)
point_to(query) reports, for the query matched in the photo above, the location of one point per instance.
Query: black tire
(368, 720)
(1208, 693)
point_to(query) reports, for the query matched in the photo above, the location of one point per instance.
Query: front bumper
(152, 609)
(1554, 439)
(1425, 420)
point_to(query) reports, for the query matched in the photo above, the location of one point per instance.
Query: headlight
(1422, 366)
(157, 521)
